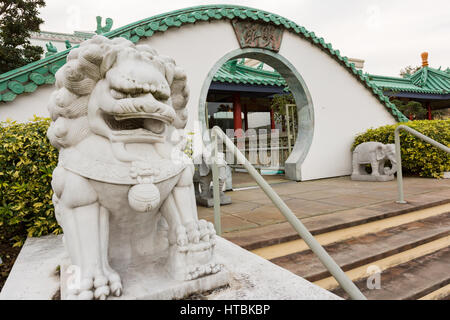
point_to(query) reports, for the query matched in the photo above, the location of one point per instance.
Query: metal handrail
(399, 157)
(323, 256)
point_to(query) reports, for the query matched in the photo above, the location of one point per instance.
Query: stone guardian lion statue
(123, 188)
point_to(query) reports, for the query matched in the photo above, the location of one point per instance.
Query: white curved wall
(343, 107)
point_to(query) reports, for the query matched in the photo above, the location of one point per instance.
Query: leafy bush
(418, 157)
(278, 105)
(27, 161)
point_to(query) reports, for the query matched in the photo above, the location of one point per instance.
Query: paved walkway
(251, 210)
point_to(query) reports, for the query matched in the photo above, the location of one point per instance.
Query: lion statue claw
(122, 187)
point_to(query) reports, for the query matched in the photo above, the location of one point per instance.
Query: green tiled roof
(29, 77)
(234, 72)
(425, 80)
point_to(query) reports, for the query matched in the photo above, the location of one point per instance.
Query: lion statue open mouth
(121, 172)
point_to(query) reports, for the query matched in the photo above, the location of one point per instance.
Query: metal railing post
(399, 158)
(216, 191)
(303, 232)
(288, 126)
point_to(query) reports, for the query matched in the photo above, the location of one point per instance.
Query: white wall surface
(258, 119)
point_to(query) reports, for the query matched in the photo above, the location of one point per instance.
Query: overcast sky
(388, 35)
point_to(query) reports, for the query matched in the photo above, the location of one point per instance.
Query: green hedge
(418, 157)
(27, 161)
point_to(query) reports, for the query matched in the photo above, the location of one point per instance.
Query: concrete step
(442, 293)
(364, 271)
(409, 249)
(368, 248)
(274, 234)
(286, 248)
(411, 280)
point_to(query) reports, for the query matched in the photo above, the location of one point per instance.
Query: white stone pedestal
(150, 281)
(35, 276)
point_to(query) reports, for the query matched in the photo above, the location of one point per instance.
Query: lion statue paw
(193, 258)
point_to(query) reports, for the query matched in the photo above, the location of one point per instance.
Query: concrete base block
(248, 276)
(209, 202)
(149, 281)
(35, 274)
(369, 177)
(446, 175)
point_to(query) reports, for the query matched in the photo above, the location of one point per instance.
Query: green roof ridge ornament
(233, 66)
(68, 45)
(106, 28)
(260, 66)
(51, 49)
(234, 72)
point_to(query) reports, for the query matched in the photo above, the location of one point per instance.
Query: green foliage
(17, 19)
(27, 161)
(416, 110)
(418, 157)
(278, 106)
(412, 109)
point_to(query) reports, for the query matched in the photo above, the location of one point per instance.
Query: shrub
(418, 157)
(27, 161)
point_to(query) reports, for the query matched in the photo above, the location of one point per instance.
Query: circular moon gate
(297, 86)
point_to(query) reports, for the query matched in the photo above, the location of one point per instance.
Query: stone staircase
(400, 254)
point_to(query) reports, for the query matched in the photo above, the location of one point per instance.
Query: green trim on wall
(160, 23)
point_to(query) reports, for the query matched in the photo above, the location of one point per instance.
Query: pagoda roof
(425, 80)
(237, 72)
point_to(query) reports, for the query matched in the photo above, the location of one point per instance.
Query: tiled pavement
(333, 198)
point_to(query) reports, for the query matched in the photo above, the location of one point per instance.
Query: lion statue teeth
(122, 187)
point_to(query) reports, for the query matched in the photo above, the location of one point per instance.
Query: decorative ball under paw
(144, 197)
